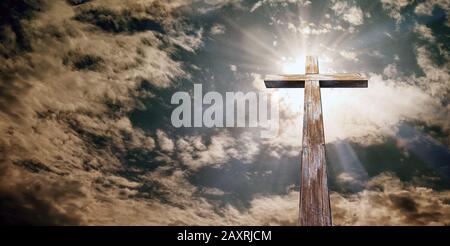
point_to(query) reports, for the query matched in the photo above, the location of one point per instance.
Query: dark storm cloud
(404, 203)
(33, 166)
(34, 203)
(13, 17)
(77, 2)
(123, 21)
(83, 61)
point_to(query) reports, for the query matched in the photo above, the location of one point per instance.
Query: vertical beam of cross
(314, 207)
(314, 198)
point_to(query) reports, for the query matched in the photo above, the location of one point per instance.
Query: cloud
(349, 55)
(213, 191)
(385, 201)
(388, 201)
(68, 80)
(81, 61)
(374, 120)
(193, 151)
(217, 29)
(348, 180)
(426, 7)
(310, 28)
(391, 71)
(256, 6)
(424, 32)
(77, 2)
(283, 3)
(394, 7)
(212, 5)
(165, 143)
(351, 14)
(112, 21)
(189, 42)
(436, 79)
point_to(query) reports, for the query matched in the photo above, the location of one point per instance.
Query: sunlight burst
(293, 65)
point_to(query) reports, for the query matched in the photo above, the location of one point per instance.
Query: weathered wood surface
(314, 206)
(314, 198)
(314, 209)
(312, 65)
(342, 80)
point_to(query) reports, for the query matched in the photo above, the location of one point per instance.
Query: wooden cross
(314, 198)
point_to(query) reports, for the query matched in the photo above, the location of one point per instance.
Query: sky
(85, 111)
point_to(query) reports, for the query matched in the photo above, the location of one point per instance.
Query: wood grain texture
(312, 65)
(314, 198)
(342, 80)
(314, 207)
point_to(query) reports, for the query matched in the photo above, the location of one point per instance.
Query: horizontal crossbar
(343, 80)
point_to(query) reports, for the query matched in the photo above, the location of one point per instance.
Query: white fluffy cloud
(282, 3)
(351, 14)
(349, 55)
(193, 152)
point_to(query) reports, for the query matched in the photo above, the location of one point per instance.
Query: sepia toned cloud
(388, 201)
